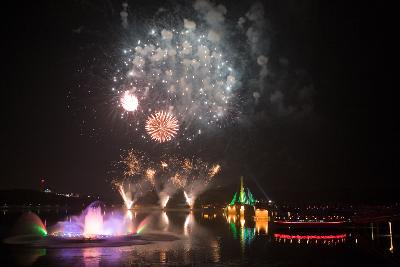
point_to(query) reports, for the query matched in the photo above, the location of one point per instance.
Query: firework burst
(178, 180)
(129, 101)
(150, 173)
(132, 162)
(214, 170)
(162, 126)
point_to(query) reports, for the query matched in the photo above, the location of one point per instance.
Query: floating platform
(54, 241)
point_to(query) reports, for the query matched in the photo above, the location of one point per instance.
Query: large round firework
(162, 126)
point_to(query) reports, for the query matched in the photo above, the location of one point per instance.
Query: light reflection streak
(215, 251)
(189, 222)
(91, 256)
(165, 220)
(391, 249)
(323, 237)
(261, 225)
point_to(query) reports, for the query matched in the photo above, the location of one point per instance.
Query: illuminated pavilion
(243, 202)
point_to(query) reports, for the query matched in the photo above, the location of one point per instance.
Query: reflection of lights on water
(163, 256)
(231, 218)
(309, 237)
(391, 237)
(189, 221)
(215, 251)
(262, 225)
(242, 221)
(91, 256)
(231, 210)
(372, 231)
(165, 220)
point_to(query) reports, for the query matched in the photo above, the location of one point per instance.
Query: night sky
(343, 147)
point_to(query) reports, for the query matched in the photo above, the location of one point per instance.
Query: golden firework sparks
(132, 162)
(178, 180)
(214, 170)
(164, 164)
(150, 176)
(187, 165)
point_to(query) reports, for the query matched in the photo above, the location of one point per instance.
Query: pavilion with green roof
(243, 198)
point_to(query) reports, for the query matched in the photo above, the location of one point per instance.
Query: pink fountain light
(93, 223)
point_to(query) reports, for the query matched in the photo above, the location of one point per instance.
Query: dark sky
(345, 149)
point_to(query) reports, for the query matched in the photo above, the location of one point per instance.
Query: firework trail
(165, 186)
(136, 179)
(165, 176)
(195, 177)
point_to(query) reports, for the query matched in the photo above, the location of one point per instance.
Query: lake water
(210, 238)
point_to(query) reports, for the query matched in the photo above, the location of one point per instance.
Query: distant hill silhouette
(26, 197)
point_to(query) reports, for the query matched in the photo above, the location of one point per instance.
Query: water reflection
(246, 229)
(261, 225)
(27, 257)
(215, 251)
(311, 239)
(91, 256)
(188, 225)
(246, 232)
(214, 237)
(164, 221)
(391, 237)
(381, 232)
(163, 256)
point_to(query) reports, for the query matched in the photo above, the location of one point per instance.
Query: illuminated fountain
(93, 223)
(92, 228)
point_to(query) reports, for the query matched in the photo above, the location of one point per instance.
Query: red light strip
(287, 222)
(325, 237)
